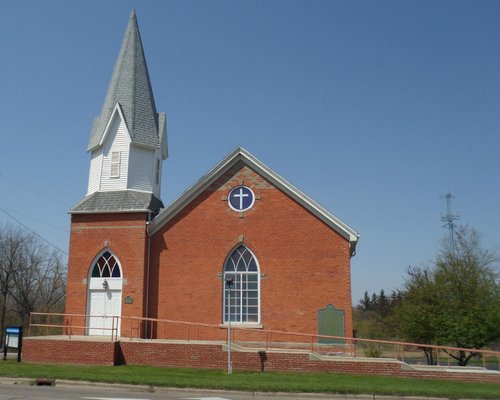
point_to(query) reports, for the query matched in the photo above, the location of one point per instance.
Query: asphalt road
(16, 389)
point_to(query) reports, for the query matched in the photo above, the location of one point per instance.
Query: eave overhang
(118, 202)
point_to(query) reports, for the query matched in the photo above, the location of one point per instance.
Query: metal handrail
(68, 326)
(312, 339)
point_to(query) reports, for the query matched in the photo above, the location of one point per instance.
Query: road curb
(205, 392)
(15, 381)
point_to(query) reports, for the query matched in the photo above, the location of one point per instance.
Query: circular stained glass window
(241, 198)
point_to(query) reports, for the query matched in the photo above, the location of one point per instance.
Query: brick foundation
(70, 351)
(213, 355)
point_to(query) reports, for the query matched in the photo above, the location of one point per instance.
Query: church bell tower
(108, 265)
(128, 141)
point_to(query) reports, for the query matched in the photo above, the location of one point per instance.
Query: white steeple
(128, 142)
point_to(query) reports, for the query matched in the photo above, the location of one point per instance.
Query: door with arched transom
(104, 296)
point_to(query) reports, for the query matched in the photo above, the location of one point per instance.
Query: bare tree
(52, 285)
(31, 277)
(11, 244)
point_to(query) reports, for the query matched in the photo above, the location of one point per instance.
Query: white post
(229, 283)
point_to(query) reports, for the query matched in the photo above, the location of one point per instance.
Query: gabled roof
(130, 86)
(118, 201)
(240, 154)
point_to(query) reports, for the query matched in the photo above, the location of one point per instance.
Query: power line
(33, 190)
(35, 219)
(32, 231)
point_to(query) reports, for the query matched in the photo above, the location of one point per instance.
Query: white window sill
(242, 325)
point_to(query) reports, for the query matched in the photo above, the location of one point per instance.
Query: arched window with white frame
(242, 297)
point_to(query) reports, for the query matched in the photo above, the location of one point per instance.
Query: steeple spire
(130, 88)
(128, 142)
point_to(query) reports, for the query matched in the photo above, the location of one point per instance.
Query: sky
(375, 109)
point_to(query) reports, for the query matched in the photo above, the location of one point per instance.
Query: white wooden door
(103, 306)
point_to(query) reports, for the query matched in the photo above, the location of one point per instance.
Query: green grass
(253, 381)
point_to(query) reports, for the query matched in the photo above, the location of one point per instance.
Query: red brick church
(241, 248)
(241, 244)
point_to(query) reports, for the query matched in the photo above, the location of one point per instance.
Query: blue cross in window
(241, 198)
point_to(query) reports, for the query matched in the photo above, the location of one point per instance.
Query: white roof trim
(240, 154)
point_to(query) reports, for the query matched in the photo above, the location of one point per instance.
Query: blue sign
(241, 198)
(13, 338)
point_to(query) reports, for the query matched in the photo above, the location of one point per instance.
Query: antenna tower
(449, 219)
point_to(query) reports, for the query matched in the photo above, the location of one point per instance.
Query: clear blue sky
(373, 108)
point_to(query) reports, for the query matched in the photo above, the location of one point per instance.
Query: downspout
(148, 260)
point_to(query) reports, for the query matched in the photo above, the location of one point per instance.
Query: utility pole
(449, 220)
(229, 283)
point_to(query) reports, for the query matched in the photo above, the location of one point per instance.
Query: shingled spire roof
(130, 87)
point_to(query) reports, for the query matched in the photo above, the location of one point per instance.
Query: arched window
(242, 298)
(106, 266)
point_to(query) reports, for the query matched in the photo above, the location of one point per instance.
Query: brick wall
(191, 355)
(69, 351)
(123, 234)
(305, 265)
